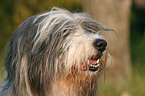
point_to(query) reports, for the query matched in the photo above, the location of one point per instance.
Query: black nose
(100, 44)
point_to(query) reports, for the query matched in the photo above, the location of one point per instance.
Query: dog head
(51, 45)
(71, 40)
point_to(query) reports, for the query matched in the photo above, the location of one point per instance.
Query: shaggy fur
(54, 54)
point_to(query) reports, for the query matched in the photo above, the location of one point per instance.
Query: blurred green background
(14, 12)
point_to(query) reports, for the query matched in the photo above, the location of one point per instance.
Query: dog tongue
(93, 61)
(83, 67)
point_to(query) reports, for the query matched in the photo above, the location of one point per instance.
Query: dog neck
(74, 84)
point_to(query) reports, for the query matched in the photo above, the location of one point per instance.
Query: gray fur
(37, 51)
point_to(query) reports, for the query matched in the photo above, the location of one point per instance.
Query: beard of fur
(75, 83)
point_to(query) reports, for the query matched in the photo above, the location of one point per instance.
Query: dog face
(71, 40)
(86, 50)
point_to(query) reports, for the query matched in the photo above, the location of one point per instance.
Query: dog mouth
(94, 63)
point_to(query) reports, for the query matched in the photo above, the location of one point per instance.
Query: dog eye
(66, 32)
(92, 30)
(90, 27)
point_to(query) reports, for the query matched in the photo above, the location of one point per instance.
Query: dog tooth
(98, 65)
(95, 65)
(98, 60)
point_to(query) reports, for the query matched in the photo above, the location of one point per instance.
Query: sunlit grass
(1, 70)
(138, 83)
(2, 56)
(134, 87)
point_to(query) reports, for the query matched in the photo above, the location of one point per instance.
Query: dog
(56, 53)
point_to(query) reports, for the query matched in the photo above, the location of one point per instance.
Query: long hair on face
(51, 53)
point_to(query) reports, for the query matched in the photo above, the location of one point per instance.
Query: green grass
(1, 70)
(2, 56)
(134, 87)
(138, 84)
